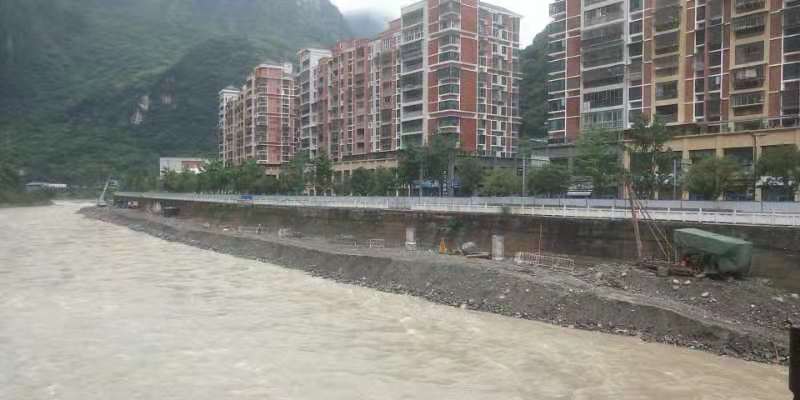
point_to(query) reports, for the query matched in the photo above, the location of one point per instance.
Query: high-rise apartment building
(459, 75)
(259, 120)
(446, 67)
(225, 142)
(724, 74)
(706, 65)
(307, 85)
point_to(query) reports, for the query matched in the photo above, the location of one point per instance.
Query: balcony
(667, 18)
(411, 35)
(557, 27)
(748, 78)
(449, 24)
(744, 6)
(609, 53)
(557, 8)
(667, 43)
(449, 7)
(555, 47)
(667, 114)
(602, 35)
(603, 76)
(413, 18)
(749, 24)
(603, 15)
(791, 21)
(747, 99)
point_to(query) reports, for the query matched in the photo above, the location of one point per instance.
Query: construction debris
(540, 260)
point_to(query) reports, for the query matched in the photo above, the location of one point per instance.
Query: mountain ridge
(94, 87)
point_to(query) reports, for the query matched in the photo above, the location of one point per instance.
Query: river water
(90, 310)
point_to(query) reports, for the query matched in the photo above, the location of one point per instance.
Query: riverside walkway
(710, 212)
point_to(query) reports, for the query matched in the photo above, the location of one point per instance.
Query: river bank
(743, 319)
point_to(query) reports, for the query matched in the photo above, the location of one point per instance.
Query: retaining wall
(776, 249)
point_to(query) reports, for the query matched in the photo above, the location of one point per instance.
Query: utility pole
(524, 176)
(674, 179)
(451, 173)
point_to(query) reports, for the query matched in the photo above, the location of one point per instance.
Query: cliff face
(91, 87)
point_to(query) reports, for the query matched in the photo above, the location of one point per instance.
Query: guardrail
(736, 213)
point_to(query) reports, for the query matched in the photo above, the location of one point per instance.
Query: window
(749, 24)
(750, 52)
(666, 90)
(448, 105)
(557, 105)
(668, 113)
(747, 99)
(607, 98)
(791, 71)
(448, 89)
(448, 73)
(603, 14)
(611, 119)
(448, 122)
(555, 125)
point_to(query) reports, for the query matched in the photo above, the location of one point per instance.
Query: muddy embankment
(610, 298)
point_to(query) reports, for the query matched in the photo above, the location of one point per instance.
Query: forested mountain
(533, 91)
(91, 87)
(365, 23)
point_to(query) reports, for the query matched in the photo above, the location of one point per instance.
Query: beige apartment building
(724, 73)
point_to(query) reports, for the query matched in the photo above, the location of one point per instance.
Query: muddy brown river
(90, 310)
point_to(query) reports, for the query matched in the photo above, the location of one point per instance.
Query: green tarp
(720, 253)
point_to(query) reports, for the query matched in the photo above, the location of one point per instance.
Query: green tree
(598, 158)
(470, 172)
(343, 187)
(533, 89)
(712, 177)
(187, 182)
(215, 177)
(266, 184)
(10, 180)
(360, 182)
(501, 182)
(293, 175)
(170, 181)
(323, 173)
(781, 166)
(438, 153)
(410, 164)
(650, 158)
(246, 176)
(383, 182)
(551, 180)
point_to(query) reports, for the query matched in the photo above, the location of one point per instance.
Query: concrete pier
(411, 238)
(498, 247)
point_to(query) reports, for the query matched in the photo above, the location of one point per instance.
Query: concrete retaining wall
(776, 250)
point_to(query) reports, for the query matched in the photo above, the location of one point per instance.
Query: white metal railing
(712, 212)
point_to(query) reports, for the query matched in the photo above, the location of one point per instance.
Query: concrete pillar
(411, 238)
(498, 247)
(758, 191)
(686, 157)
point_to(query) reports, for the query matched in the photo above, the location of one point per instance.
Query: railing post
(794, 362)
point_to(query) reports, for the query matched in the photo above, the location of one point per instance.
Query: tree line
(598, 160)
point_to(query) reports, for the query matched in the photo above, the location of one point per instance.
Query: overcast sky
(534, 12)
